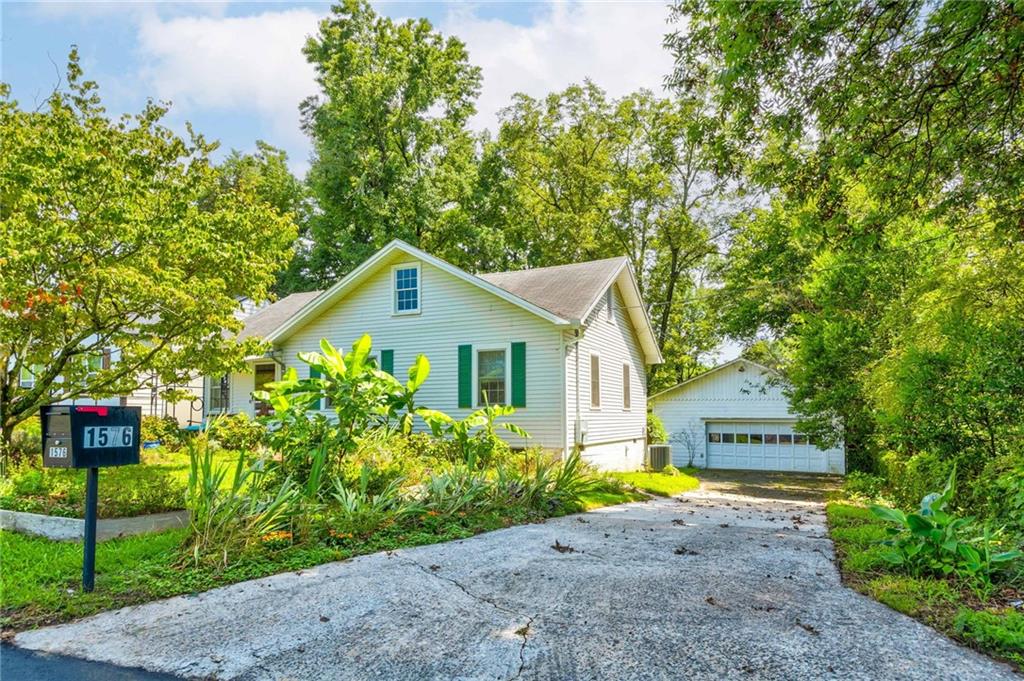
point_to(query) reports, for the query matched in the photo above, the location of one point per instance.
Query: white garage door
(762, 446)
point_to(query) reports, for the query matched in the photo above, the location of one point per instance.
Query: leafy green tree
(392, 155)
(121, 251)
(576, 177)
(888, 135)
(266, 173)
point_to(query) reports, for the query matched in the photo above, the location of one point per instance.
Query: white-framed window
(609, 304)
(492, 371)
(595, 381)
(27, 378)
(95, 362)
(626, 396)
(220, 394)
(407, 289)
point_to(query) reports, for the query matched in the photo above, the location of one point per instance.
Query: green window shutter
(519, 374)
(314, 372)
(387, 361)
(465, 376)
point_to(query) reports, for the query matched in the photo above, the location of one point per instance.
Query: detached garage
(735, 416)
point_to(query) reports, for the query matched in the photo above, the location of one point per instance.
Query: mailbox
(89, 436)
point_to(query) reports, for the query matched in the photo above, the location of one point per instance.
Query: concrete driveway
(714, 585)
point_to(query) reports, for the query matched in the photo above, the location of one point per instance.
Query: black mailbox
(90, 436)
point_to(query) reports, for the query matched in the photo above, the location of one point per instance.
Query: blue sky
(236, 72)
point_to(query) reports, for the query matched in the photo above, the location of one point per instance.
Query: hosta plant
(932, 540)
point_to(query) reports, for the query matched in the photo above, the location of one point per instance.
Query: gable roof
(260, 323)
(567, 290)
(714, 370)
(370, 265)
(564, 295)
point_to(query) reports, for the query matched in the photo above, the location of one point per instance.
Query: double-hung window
(27, 379)
(220, 394)
(407, 289)
(490, 369)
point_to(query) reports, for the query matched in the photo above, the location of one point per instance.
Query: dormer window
(407, 288)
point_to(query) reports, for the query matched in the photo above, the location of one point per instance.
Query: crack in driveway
(523, 631)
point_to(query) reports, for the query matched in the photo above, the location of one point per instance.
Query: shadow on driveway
(771, 485)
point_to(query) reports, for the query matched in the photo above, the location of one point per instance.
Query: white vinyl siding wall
(616, 344)
(452, 313)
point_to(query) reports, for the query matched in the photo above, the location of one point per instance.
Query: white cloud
(253, 64)
(617, 45)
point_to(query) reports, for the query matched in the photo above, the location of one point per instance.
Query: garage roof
(713, 370)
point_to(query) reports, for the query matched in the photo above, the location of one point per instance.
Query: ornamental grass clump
(228, 515)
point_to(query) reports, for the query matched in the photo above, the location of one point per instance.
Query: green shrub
(227, 519)
(124, 491)
(861, 485)
(26, 444)
(1000, 632)
(237, 432)
(656, 433)
(475, 438)
(163, 429)
(998, 493)
(358, 512)
(456, 489)
(934, 541)
(908, 479)
(670, 470)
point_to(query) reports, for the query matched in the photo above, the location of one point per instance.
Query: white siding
(615, 435)
(728, 394)
(453, 313)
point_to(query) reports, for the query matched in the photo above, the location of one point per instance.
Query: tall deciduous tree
(392, 155)
(119, 240)
(888, 262)
(267, 175)
(576, 176)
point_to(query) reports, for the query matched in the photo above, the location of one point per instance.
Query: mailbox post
(90, 437)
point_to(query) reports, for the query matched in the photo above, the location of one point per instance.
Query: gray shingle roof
(261, 323)
(568, 291)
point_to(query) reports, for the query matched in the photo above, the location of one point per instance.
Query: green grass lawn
(993, 627)
(153, 486)
(661, 484)
(601, 498)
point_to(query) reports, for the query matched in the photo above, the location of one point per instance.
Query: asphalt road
(18, 664)
(715, 585)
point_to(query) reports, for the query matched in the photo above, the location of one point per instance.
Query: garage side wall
(727, 394)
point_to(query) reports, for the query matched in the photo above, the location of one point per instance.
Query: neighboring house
(149, 396)
(736, 416)
(567, 346)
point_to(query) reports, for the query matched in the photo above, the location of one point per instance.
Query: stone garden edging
(72, 529)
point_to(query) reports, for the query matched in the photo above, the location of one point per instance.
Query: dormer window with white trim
(406, 281)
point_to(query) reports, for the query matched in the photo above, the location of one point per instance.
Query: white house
(567, 345)
(736, 416)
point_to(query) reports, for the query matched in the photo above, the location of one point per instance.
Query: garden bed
(157, 485)
(994, 626)
(40, 583)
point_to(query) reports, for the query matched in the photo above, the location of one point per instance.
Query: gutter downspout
(576, 424)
